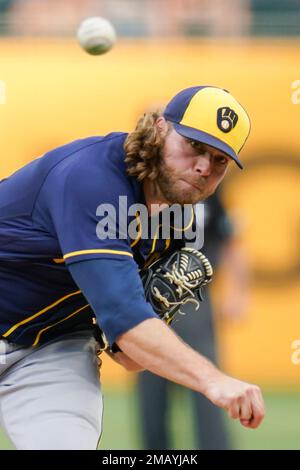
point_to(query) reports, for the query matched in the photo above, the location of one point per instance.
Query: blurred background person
(222, 249)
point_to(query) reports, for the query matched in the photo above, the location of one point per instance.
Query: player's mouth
(197, 186)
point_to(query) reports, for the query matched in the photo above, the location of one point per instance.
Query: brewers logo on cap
(226, 119)
(210, 115)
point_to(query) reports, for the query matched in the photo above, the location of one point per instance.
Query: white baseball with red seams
(96, 35)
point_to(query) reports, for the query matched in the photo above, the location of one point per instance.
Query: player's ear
(162, 126)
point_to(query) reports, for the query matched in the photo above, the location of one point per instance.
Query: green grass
(280, 429)
(5, 443)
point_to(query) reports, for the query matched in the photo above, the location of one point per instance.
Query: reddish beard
(175, 192)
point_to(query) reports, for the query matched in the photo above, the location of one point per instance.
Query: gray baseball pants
(50, 396)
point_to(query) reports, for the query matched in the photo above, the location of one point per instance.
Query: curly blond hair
(142, 148)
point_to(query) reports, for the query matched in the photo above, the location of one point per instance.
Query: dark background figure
(198, 331)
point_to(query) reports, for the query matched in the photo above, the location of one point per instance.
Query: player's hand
(241, 400)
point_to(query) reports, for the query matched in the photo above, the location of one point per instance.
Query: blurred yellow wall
(56, 93)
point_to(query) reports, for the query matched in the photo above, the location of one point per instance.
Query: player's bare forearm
(154, 346)
(123, 360)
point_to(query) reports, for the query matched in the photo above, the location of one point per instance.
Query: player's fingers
(258, 411)
(255, 420)
(259, 400)
(245, 409)
(234, 409)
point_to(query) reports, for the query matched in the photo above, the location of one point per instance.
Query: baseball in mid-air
(96, 35)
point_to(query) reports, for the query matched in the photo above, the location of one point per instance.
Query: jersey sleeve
(81, 206)
(114, 290)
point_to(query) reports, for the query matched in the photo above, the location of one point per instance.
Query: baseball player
(69, 268)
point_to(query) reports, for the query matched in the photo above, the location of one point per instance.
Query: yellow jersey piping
(32, 317)
(90, 252)
(38, 336)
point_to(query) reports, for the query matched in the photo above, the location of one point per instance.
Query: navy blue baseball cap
(210, 115)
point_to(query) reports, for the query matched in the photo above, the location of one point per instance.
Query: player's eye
(197, 145)
(221, 160)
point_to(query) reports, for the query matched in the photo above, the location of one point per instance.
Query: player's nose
(203, 164)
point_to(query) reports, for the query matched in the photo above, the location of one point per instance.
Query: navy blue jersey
(49, 217)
